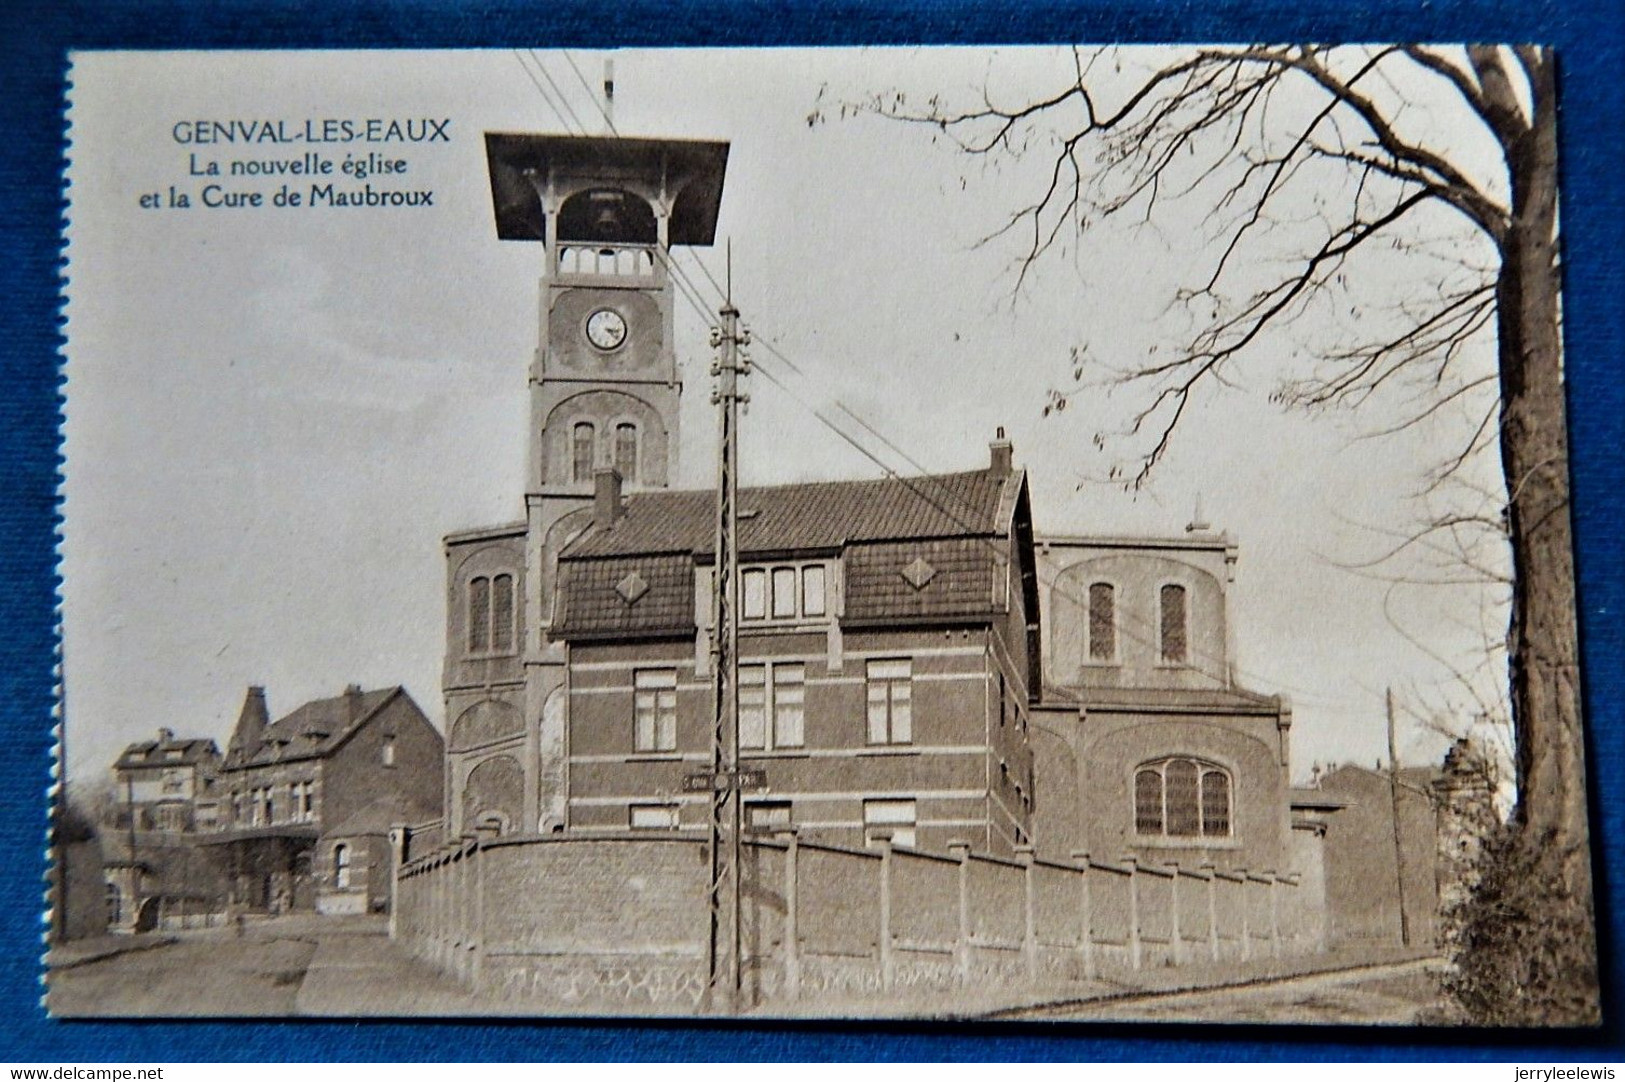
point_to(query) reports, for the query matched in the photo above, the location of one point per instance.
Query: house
(164, 796)
(166, 785)
(887, 646)
(1148, 744)
(289, 786)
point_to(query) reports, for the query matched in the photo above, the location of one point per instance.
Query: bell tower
(603, 382)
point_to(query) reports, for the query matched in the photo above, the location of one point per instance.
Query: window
(490, 615)
(115, 904)
(655, 709)
(767, 816)
(891, 705)
(581, 448)
(812, 590)
(502, 614)
(341, 866)
(270, 805)
(890, 818)
(1102, 622)
(1174, 628)
(307, 800)
(788, 592)
(654, 817)
(626, 450)
(1182, 798)
(479, 616)
(772, 706)
(754, 589)
(387, 753)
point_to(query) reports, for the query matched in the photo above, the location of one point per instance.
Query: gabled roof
(159, 753)
(315, 730)
(377, 816)
(815, 516)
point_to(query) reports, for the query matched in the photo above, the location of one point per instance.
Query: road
(1392, 994)
(299, 965)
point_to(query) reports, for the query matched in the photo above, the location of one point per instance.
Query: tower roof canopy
(690, 171)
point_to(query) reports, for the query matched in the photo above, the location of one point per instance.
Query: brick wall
(619, 923)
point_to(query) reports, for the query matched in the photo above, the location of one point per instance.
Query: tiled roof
(822, 515)
(314, 729)
(157, 753)
(592, 602)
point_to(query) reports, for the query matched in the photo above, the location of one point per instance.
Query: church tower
(604, 391)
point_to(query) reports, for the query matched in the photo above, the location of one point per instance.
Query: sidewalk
(358, 972)
(79, 952)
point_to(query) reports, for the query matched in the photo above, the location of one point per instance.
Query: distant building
(164, 783)
(1378, 893)
(286, 785)
(164, 795)
(1148, 746)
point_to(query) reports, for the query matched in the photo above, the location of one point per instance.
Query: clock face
(606, 329)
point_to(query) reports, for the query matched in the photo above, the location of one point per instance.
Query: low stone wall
(620, 922)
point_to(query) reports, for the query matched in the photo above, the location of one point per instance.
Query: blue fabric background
(1590, 39)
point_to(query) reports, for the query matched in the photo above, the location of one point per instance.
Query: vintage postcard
(1028, 533)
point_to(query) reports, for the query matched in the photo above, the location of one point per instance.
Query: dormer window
(784, 593)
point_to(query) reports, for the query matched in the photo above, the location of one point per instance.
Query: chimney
(166, 736)
(606, 496)
(1000, 453)
(251, 723)
(352, 701)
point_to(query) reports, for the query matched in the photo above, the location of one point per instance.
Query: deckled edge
(55, 782)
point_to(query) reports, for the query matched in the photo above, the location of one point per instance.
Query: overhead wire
(694, 297)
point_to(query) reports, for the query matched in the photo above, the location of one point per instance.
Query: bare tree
(1320, 153)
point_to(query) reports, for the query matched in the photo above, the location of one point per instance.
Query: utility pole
(723, 981)
(1399, 846)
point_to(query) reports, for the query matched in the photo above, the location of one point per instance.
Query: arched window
(1182, 798)
(581, 451)
(626, 450)
(490, 614)
(1174, 624)
(1102, 622)
(341, 866)
(502, 614)
(479, 616)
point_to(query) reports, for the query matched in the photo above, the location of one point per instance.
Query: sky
(274, 414)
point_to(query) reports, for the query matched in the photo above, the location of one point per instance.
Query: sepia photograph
(1018, 534)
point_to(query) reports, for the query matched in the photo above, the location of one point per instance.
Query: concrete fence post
(960, 851)
(1246, 905)
(397, 857)
(887, 972)
(1086, 930)
(479, 915)
(1176, 934)
(1275, 916)
(1029, 930)
(1212, 871)
(1133, 863)
(792, 929)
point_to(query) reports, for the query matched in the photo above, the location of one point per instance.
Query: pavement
(79, 952)
(347, 967)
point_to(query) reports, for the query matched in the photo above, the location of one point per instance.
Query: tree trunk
(1543, 641)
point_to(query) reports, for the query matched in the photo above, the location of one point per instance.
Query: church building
(925, 675)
